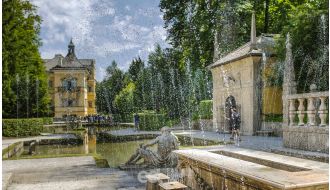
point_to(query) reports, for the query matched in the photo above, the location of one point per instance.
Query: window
(69, 84)
(90, 89)
(68, 102)
(90, 104)
(50, 83)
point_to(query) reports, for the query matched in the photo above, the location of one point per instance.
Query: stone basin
(238, 168)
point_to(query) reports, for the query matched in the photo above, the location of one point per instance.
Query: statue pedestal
(154, 180)
(174, 185)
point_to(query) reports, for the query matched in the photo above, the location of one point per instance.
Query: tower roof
(70, 61)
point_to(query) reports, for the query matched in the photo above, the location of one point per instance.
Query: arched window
(69, 84)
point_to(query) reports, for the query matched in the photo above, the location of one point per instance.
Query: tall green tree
(24, 80)
(107, 89)
(308, 25)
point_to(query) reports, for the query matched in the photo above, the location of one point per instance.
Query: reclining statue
(164, 157)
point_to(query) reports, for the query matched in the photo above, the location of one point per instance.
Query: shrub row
(273, 118)
(205, 109)
(21, 127)
(151, 121)
(123, 118)
(47, 120)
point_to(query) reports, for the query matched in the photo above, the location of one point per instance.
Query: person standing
(236, 123)
(136, 121)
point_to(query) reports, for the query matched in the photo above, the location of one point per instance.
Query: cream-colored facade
(71, 84)
(239, 82)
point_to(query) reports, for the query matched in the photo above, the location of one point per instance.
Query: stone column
(301, 111)
(323, 111)
(311, 111)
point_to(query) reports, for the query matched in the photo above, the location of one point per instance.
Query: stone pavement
(65, 173)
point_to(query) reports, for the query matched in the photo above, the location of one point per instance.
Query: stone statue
(164, 157)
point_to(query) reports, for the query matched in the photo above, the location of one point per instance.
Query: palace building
(71, 83)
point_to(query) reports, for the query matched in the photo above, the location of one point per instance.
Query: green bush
(205, 109)
(123, 118)
(273, 117)
(21, 127)
(151, 121)
(47, 120)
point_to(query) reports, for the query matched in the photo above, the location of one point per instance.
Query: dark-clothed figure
(235, 121)
(136, 121)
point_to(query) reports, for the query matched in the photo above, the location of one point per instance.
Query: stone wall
(204, 124)
(242, 87)
(311, 138)
(276, 127)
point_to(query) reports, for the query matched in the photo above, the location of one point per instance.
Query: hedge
(21, 127)
(123, 118)
(273, 118)
(47, 120)
(205, 109)
(151, 121)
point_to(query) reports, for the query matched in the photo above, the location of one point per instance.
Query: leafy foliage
(205, 109)
(309, 29)
(22, 127)
(124, 100)
(151, 121)
(23, 72)
(107, 90)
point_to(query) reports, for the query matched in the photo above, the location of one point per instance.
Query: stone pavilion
(238, 81)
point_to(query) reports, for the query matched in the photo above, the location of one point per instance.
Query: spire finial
(253, 32)
(71, 47)
(216, 52)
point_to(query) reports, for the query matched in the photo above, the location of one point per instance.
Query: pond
(116, 153)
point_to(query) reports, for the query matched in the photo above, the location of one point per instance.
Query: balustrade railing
(316, 109)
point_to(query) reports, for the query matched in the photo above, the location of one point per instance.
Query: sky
(103, 30)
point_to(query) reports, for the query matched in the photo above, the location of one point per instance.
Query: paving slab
(66, 173)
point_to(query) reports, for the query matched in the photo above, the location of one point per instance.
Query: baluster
(311, 111)
(323, 111)
(292, 112)
(301, 111)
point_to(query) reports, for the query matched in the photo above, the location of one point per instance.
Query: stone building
(238, 81)
(71, 84)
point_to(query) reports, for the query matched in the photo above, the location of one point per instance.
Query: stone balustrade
(315, 108)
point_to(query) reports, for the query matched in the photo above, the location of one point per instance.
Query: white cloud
(101, 29)
(101, 72)
(107, 48)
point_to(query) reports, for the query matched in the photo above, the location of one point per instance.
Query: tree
(135, 68)
(24, 77)
(108, 89)
(124, 101)
(309, 29)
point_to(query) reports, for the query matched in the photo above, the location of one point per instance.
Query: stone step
(267, 133)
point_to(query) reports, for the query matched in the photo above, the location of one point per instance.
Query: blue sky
(104, 30)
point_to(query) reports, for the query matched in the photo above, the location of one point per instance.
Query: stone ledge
(216, 168)
(310, 129)
(306, 138)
